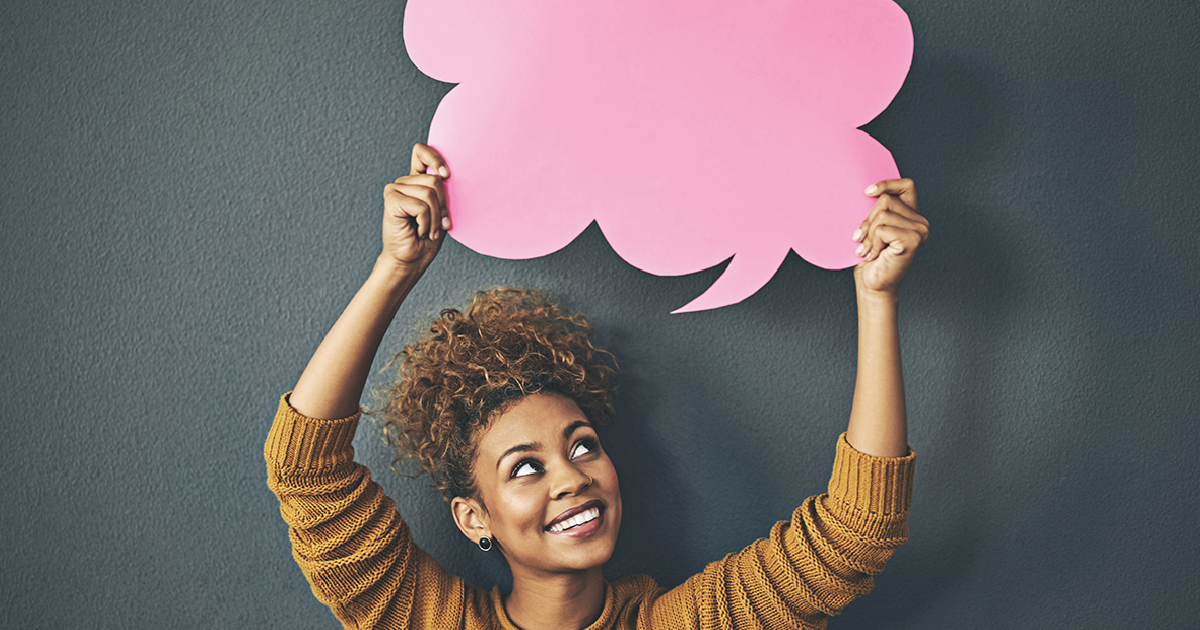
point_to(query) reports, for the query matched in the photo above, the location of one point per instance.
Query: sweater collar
(607, 614)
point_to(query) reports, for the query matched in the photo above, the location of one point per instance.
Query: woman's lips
(585, 529)
(578, 521)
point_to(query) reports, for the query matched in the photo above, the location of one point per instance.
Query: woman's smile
(578, 522)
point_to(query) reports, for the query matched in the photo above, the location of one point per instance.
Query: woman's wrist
(871, 301)
(399, 277)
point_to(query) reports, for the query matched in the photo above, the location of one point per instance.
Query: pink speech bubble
(689, 130)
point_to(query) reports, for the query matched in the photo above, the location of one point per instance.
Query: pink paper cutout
(690, 130)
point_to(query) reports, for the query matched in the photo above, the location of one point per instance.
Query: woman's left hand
(890, 236)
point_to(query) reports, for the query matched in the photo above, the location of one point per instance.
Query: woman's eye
(583, 447)
(526, 468)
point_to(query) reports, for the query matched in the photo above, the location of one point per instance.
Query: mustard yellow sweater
(361, 560)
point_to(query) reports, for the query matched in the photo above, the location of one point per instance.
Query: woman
(501, 406)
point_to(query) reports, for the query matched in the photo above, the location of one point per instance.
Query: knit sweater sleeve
(810, 567)
(351, 544)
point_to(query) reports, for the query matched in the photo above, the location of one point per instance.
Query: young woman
(501, 404)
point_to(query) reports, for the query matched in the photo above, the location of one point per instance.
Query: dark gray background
(191, 193)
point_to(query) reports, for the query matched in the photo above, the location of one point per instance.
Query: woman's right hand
(415, 216)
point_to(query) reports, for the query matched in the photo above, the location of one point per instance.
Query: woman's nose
(570, 480)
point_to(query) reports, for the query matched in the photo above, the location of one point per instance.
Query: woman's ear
(471, 518)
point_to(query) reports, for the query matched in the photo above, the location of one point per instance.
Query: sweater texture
(361, 561)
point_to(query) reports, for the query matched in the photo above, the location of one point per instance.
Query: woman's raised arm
(347, 537)
(415, 220)
(890, 236)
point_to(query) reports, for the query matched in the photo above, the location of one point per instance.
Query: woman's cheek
(525, 507)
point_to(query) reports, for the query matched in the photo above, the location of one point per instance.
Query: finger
(860, 233)
(405, 188)
(885, 214)
(905, 189)
(405, 207)
(434, 182)
(892, 230)
(896, 205)
(880, 206)
(887, 203)
(420, 179)
(419, 211)
(443, 222)
(893, 241)
(874, 244)
(426, 159)
(433, 199)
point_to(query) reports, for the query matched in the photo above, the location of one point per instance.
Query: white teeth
(577, 520)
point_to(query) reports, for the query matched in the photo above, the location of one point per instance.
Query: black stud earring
(485, 543)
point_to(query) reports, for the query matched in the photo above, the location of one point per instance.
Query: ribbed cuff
(297, 442)
(878, 486)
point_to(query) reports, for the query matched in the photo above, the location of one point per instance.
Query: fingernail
(857, 234)
(871, 189)
(443, 171)
(446, 223)
(862, 249)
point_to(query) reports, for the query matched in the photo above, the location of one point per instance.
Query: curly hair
(469, 366)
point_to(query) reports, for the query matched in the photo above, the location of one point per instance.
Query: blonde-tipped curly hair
(469, 366)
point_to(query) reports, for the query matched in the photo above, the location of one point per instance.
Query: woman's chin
(584, 550)
(592, 543)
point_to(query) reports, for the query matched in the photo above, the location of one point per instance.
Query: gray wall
(191, 193)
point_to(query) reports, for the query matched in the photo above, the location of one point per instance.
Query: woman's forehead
(541, 417)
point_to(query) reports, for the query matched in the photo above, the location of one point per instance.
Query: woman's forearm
(415, 220)
(332, 383)
(878, 424)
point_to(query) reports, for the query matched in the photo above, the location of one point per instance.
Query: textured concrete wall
(190, 193)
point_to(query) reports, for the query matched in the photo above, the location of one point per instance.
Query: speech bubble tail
(748, 272)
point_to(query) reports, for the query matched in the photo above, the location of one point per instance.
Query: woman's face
(553, 502)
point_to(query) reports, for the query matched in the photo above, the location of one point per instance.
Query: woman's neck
(557, 601)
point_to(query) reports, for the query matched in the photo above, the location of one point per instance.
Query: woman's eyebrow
(574, 425)
(520, 448)
(537, 446)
